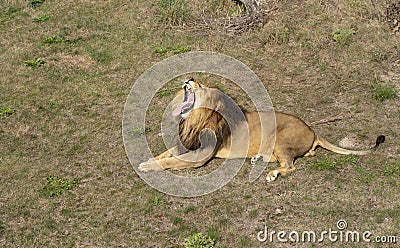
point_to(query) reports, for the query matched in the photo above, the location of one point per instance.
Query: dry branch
(256, 16)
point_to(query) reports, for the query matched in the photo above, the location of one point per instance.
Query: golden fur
(214, 112)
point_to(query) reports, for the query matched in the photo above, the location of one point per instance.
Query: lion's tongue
(189, 101)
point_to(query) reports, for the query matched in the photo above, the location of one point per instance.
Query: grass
(5, 111)
(343, 36)
(171, 49)
(383, 91)
(392, 168)
(53, 40)
(67, 69)
(172, 12)
(334, 163)
(57, 186)
(41, 18)
(8, 11)
(34, 63)
(102, 56)
(199, 240)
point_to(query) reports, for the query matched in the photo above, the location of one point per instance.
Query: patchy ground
(67, 68)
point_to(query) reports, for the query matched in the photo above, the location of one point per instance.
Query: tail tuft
(380, 140)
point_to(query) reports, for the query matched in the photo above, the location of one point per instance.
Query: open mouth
(188, 101)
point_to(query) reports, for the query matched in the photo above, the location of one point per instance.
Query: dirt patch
(74, 61)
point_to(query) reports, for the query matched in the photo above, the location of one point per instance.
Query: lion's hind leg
(285, 160)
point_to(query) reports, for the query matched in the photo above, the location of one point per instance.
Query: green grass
(102, 56)
(199, 240)
(177, 49)
(334, 163)
(221, 87)
(8, 11)
(172, 12)
(343, 36)
(385, 92)
(392, 168)
(253, 213)
(164, 93)
(214, 234)
(53, 40)
(41, 18)
(4, 111)
(57, 186)
(189, 209)
(34, 63)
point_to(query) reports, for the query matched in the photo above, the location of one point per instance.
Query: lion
(211, 123)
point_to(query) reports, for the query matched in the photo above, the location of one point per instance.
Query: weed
(53, 40)
(41, 18)
(56, 186)
(35, 3)
(4, 111)
(172, 12)
(343, 36)
(199, 240)
(34, 63)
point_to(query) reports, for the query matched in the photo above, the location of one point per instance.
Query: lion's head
(190, 90)
(205, 108)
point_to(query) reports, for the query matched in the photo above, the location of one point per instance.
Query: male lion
(210, 123)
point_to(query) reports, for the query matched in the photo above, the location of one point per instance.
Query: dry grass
(66, 121)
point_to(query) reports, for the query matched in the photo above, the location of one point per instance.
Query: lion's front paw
(272, 175)
(254, 159)
(151, 165)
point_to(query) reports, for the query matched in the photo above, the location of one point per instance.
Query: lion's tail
(325, 144)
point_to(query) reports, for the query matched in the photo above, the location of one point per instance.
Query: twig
(327, 120)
